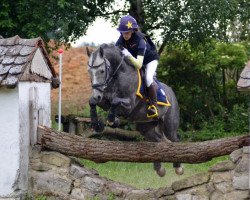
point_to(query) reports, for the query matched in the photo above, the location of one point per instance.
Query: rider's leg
(152, 111)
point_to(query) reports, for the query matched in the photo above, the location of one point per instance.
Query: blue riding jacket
(139, 45)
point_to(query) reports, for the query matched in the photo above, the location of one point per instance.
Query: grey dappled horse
(114, 83)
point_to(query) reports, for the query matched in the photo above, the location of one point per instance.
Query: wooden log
(118, 133)
(110, 132)
(103, 151)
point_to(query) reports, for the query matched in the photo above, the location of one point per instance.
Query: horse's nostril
(99, 97)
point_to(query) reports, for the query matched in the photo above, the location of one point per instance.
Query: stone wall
(59, 177)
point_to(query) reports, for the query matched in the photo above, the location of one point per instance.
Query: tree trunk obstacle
(103, 151)
(81, 126)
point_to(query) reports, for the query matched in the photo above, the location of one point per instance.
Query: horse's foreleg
(96, 124)
(123, 103)
(112, 120)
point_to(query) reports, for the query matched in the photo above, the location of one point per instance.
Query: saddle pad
(161, 95)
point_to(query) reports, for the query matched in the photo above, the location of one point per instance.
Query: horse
(114, 85)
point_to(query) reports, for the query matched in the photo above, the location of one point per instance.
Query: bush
(226, 124)
(238, 119)
(204, 80)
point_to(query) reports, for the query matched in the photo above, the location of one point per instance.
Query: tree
(61, 20)
(196, 21)
(193, 21)
(174, 21)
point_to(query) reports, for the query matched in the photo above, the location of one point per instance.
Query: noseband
(108, 76)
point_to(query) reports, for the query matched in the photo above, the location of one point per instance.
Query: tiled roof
(244, 81)
(16, 55)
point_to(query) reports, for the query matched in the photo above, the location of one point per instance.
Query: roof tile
(16, 69)
(4, 69)
(1, 59)
(14, 50)
(8, 60)
(2, 77)
(21, 59)
(26, 50)
(9, 41)
(29, 42)
(3, 50)
(10, 81)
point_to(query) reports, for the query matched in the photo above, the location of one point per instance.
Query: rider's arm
(138, 61)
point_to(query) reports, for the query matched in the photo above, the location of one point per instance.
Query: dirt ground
(76, 87)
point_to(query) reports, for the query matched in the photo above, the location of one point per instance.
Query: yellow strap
(153, 115)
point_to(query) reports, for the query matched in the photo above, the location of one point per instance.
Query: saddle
(141, 92)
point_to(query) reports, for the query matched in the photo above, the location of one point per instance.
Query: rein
(108, 77)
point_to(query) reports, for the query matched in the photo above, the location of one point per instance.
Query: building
(243, 84)
(26, 79)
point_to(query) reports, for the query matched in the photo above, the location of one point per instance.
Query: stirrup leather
(153, 109)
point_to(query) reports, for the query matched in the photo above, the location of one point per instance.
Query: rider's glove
(126, 53)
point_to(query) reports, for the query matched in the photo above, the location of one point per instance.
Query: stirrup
(153, 109)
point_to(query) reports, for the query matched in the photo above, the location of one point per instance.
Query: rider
(140, 51)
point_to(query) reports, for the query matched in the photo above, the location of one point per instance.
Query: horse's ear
(88, 51)
(101, 51)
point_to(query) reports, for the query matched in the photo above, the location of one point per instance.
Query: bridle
(108, 77)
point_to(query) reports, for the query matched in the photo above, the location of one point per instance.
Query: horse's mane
(110, 49)
(113, 53)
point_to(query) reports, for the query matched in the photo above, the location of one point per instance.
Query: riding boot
(152, 111)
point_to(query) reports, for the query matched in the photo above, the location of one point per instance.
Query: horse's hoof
(114, 124)
(110, 123)
(179, 170)
(161, 172)
(98, 126)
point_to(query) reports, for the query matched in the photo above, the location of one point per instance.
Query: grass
(142, 175)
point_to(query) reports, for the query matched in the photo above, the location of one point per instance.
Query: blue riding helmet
(127, 23)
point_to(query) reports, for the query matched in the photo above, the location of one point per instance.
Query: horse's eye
(102, 71)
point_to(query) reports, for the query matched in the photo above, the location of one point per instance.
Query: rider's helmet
(127, 23)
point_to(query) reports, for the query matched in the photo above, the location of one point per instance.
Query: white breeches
(150, 72)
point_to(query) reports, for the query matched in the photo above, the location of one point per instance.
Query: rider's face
(127, 35)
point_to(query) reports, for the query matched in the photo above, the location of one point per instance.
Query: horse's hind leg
(160, 170)
(150, 134)
(169, 125)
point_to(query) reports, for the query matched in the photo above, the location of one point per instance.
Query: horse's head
(100, 70)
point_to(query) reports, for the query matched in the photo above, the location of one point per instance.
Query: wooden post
(33, 118)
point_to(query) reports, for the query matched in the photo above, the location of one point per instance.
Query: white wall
(15, 134)
(42, 103)
(9, 140)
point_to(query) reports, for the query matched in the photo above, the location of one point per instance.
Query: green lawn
(142, 175)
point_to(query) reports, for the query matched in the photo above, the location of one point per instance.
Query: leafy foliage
(186, 20)
(62, 20)
(198, 21)
(204, 80)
